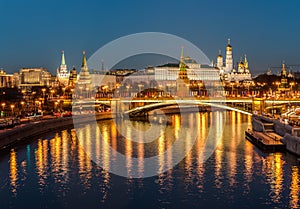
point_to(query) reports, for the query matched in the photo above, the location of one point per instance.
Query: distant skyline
(33, 33)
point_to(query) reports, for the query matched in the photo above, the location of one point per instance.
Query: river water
(62, 169)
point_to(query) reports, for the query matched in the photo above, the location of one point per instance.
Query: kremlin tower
(84, 83)
(182, 80)
(62, 73)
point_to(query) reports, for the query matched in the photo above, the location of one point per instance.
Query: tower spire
(246, 62)
(229, 41)
(182, 54)
(63, 61)
(84, 60)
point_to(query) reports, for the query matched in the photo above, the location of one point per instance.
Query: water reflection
(61, 163)
(13, 171)
(294, 193)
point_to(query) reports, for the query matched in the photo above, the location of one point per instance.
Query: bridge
(140, 107)
(142, 111)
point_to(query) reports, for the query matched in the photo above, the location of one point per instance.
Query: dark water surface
(55, 171)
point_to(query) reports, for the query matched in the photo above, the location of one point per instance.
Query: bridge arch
(147, 108)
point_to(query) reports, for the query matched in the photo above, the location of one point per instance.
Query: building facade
(6, 80)
(29, 77)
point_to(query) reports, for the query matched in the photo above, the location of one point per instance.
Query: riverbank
(23, 132)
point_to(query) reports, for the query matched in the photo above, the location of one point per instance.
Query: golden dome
(220, 56)
(229, 47)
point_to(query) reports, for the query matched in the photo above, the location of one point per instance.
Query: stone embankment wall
(292, 143)
(279, 128)
(25, 131)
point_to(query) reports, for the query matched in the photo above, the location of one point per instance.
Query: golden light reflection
(105, 145)
(161, 149)
(114, 136)
(200, 143)
(233, 152)
(55, 150)
(294, 193)
(218, 164)
(140, 155)
(274, 173)
(65, 155)
(41, 157)
(188, 159)
(97, 146)
(248, 161)
(13, 171)
(128, 152)
(176, 123)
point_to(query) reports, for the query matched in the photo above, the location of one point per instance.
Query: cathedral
(229, 72)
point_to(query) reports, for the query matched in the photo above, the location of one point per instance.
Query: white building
(228, 72)
(195, 71)
(99, 79)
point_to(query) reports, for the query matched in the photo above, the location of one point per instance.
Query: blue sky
(34, 32)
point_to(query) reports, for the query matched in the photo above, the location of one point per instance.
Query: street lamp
(232, 84)
(140, 86)
(43, 90)
(3, 106)
(128, 87)
(12, 109)
(199, 86)
(22, 106)
(52, 92)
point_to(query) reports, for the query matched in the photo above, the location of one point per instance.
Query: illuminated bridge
(141, 107)
(143, 110)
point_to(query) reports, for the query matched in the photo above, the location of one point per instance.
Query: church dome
(229, 47)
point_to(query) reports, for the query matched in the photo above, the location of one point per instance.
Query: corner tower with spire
(182, 81)
(84, 83)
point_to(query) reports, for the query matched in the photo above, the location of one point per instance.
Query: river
(64, 169)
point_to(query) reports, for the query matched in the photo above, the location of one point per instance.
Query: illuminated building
(100, 78)
(62, 73)
(73, 77)
(227, 72)
(284, 85)
(195, 71)
(6, 80)
(29, 77)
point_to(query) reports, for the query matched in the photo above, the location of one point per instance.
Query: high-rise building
(62, 72)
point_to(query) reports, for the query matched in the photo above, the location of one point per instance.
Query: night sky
(33, 32)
